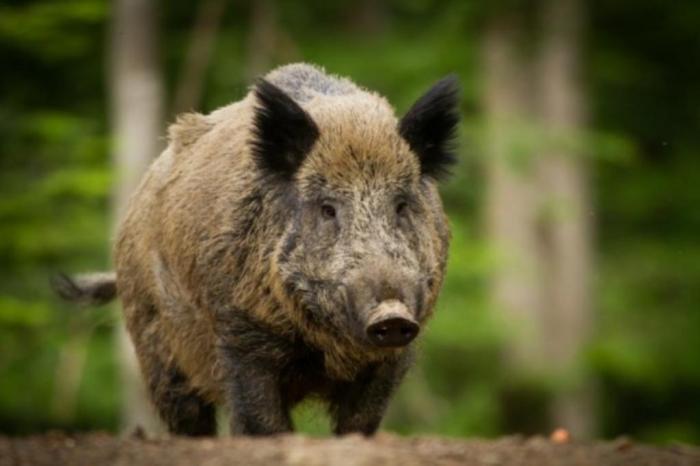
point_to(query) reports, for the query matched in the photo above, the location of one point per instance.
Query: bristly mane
(302, 82)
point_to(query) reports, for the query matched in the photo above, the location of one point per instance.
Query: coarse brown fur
(235, 288)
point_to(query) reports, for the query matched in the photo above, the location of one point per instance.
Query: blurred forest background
(573, 291)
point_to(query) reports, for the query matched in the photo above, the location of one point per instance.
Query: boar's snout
(391, 325)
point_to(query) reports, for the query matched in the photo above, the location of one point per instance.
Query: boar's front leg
(256, 404)
(359, 406)
(252, 357)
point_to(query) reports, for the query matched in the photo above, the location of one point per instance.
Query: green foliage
(643, 82)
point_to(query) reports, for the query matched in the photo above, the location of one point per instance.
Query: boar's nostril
(393, 332)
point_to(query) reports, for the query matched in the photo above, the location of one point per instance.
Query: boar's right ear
(283, 132)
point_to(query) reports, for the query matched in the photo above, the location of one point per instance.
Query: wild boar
(290, 244)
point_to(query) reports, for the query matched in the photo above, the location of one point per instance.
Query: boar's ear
(283, 132)
(429, 127)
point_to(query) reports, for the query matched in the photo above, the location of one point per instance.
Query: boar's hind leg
(184, 412)
(359, 406)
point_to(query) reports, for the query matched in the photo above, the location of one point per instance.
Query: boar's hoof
(392, 332)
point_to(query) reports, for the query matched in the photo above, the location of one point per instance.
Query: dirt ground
(383, 450)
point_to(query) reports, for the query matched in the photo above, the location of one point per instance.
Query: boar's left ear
(429, 127)
(283, 132)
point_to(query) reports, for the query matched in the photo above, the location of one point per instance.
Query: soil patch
(96, 449)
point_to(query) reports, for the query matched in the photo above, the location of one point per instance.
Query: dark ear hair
(283, 133)
(429, 127)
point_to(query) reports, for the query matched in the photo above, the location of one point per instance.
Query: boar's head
(365, 237)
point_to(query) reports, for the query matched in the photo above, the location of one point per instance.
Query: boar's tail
(93, 288)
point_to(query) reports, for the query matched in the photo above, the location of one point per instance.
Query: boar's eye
(401, 208)
(328, 211)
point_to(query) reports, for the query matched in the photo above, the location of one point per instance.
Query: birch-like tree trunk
(137, 106)
(538, 208)
(511, 195)
(567, 212)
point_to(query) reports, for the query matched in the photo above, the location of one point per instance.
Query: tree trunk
(69, 371)
(191, 85)
(538, 213)
(262, 39)
(511, 196)
(368, 17)
(137, 101)
(567, 223)
(268, 42)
